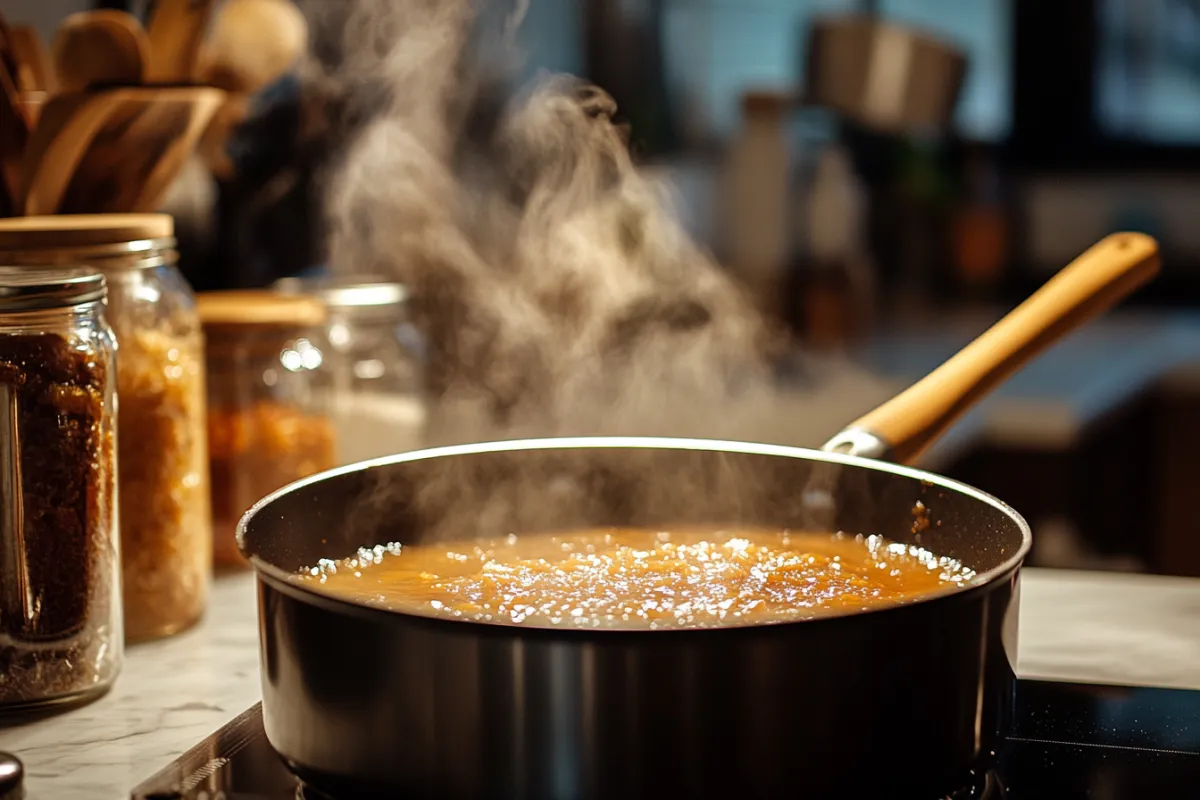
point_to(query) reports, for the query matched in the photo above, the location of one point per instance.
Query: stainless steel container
(885, 76)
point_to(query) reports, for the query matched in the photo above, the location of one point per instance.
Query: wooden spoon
(35, 73)
(902, 428)
(67, 125)
(99, 47)
(14, 138)
(176, 31)
(253, 44)
(113, 150)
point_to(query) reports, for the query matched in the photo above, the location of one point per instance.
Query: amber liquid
(622, 578)
(252, 452)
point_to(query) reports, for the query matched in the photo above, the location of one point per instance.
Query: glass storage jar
(166, 548)
(268, 401)
(60, 595)
(377, 363)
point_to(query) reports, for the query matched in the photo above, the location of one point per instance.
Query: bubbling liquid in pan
(630, 578)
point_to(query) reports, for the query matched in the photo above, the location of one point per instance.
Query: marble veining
(170, 695)
(1105, 628)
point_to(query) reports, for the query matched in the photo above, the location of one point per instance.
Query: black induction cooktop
(1069, 741)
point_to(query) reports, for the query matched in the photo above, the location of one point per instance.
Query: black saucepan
(907, 701)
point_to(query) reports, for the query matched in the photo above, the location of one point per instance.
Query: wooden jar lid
(248, 307)
(82, 230)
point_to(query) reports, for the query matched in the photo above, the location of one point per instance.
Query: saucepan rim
(282, 580)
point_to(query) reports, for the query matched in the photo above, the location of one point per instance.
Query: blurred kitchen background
(887, 177)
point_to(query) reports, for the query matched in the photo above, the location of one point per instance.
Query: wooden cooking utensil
(176, 31)
(8, 204)
(115, 150)
(14, 138)
(212, 147)
(253, 43)
(7, 57)
(67, 123)
(34, 70)
(902, 428)
(194, 117)
(99, 47)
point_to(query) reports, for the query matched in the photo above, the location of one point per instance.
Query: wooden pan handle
(1091, 284)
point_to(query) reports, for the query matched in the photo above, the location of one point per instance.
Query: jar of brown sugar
(60, 601)
(166, 548)
(269, 401)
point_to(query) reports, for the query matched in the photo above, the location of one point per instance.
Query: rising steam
(559, 293)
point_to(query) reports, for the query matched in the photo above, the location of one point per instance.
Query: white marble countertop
(1088, 627)
(169, 696)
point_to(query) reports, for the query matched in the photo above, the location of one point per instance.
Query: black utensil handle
(12, 777)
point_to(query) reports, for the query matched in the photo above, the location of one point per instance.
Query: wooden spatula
(176, 31)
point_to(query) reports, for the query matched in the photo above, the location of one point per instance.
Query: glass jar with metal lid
(269, 390)
(377, 362)
(165, 526)
(60, 598)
